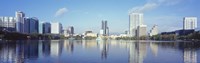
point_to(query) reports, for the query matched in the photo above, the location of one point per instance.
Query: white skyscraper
(189, 23)
(154, 30)
(1, 22)
(11, 22)
(7, 23)
(56, 28)
(135, 19)
(19, 21)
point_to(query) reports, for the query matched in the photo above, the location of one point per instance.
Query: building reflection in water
(69, 45)
(46, 48)
(137, 52)
(104, 48)
(7, 52)
(154, 48)
(56, 47)
(89, 43)
(190, 53)
(26, 50)
(31, 49)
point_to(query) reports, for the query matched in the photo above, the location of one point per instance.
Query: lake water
(92, 51)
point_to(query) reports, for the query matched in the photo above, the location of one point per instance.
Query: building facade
(31, 25)
(70, 30)
(7, 23)
(46, 28)
(56, 28)
(34, 23)
(142, 31)
(105, 28)
(19, 21)
(27, 25)
(189, 23)
(135, 20)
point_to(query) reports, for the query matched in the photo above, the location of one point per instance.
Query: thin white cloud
(61, 12)
(152, 4)
(146, 7)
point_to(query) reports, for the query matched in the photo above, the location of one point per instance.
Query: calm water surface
(91, 51)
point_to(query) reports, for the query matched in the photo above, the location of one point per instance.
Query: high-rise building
(70, 30)
(7, 23)
(107, 31)
(154, 30)
(11, 24)
(31, 25)
(40, 27)
(56, 28)
(34, 23)
(1, 22)
(27, 25)
(189, 23)
(46, 28)
(19, 21)
(135, 19)
(142, 30)
(105, 28)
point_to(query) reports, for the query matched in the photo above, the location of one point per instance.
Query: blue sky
(87, 14)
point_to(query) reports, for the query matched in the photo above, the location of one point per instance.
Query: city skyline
(81, 13)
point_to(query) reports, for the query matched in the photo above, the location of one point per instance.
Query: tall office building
(107, 31)
(70, 30)
(141, 31)
(11, 24)
(31, 25)
(19, 21)
(135, 19)
(34, 23)
(46, 28)
(26, 25)
(1, 22)
(189, 23)
(7, 23)
(56, 28)
(40, 27)
(154, 30)
(105, 28)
